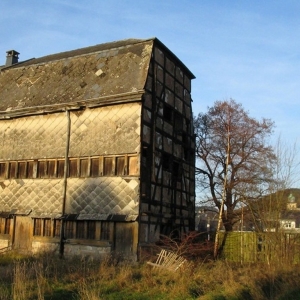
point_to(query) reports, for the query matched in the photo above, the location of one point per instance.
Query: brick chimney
(12, 57)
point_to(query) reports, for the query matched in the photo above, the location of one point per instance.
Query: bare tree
(233, 158)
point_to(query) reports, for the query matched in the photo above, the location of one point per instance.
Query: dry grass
(48, 277)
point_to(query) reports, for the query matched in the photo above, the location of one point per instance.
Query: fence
(260, 247)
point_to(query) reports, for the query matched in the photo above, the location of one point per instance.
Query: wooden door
(23, 236)
(124, 238)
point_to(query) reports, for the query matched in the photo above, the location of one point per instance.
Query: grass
(49, 277)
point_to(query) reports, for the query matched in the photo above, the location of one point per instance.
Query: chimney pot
(12, 57)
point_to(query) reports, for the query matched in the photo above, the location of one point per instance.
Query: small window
(177, 171)
(84, 168)
(73, 168)
(95, 167)
(60, 168)
(4, 225)
(22, 169)
(178, 123)
(51, 168)
(30, 169)
(69, 229)
(13, 169)
(41, 169)
(91, 230)
(47, 227)
(120, 169)
(108, 166)
(57, 226)
(37, 229)
(2, 170)
(168, 114)
(104, 235)
(133, 165)
(166, 162)
(80, 230)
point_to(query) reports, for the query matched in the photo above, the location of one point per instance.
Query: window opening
(95, 167)
(84, 167)
(108, 166)
(60, 168)
(120, 169)
(73, 168)
(178, 123)
(37, 230)
(104, 235)
(42, 169)
(30, 169)
(52, 168)
(4, 225)
(2, 170)
(133, 165)
(168, 114)
(57, 226)
(91, 230)
(80, 230)
(166, 161)
(69, 231)
(47, 227)
(13, 169)
(21, 169)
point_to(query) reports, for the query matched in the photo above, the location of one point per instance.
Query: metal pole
(61, 244)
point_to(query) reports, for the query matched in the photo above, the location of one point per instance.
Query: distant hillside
(279, 198)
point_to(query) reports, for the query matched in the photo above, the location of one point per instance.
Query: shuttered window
(77, 167)
(57, 227)
(30, 169)
(104, 235)
(108, 166)
(84, 168)
(95, 167)
(47, 227)
(73, 168)
(13, 169)
(37, 230)
(133, 166)
(2, 170)
(91, 230)
(120, 169)
(22, 169)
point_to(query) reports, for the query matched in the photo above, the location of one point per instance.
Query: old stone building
(97, 149)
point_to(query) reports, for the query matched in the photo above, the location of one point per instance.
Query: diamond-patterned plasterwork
(31, 195)
(106, 130)
(33, 137)
(103, 195)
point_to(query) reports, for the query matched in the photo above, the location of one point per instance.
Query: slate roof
(87, 76)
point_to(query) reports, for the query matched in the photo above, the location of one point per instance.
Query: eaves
(135, 96)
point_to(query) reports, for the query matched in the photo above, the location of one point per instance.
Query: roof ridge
(79, 52)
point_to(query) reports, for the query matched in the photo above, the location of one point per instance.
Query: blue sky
(240, 49)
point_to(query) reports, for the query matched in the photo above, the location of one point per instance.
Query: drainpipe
(61, 244)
